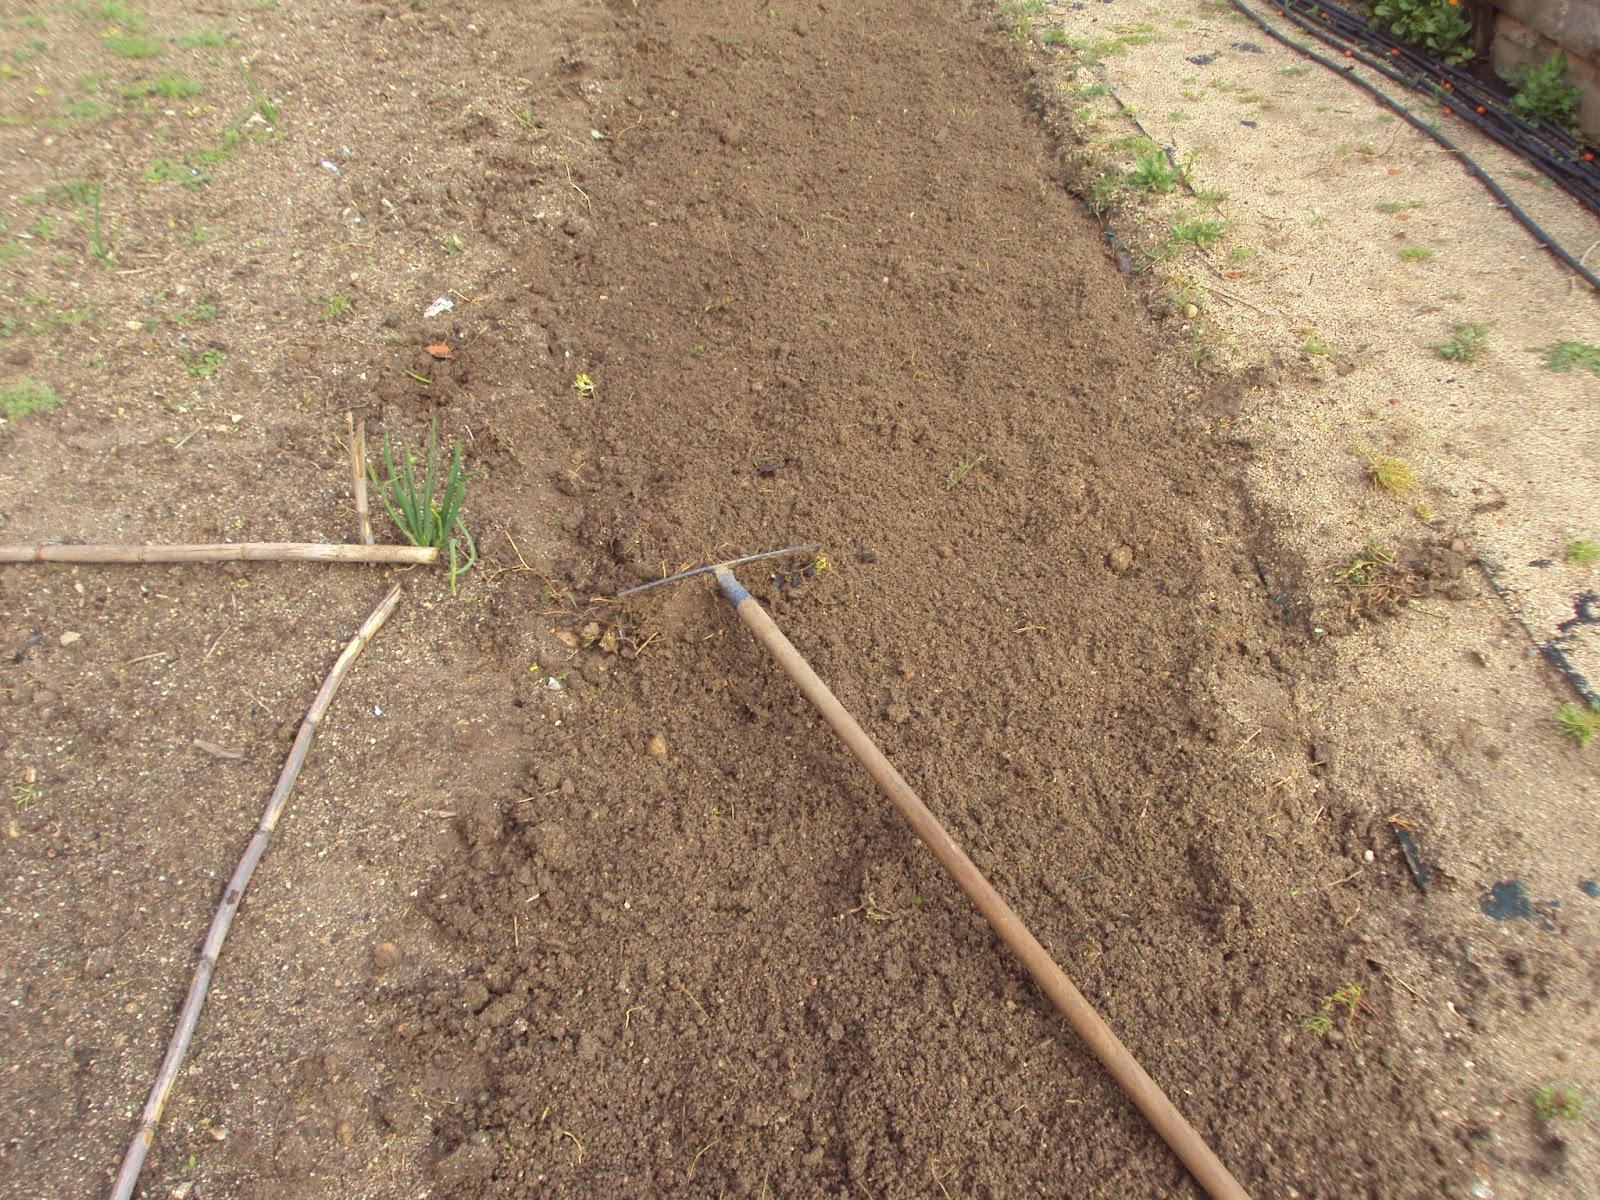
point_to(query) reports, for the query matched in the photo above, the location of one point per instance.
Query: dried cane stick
(152, 552)
(358, 472)
(189, 1017)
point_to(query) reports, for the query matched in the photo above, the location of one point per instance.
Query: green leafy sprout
(427, 511)
(1578, 723)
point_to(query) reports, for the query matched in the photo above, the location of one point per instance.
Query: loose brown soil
(818, 266)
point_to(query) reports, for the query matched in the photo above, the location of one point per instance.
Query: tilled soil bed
(818, 267)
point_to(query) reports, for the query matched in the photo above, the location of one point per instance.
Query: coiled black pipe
(1545, 241)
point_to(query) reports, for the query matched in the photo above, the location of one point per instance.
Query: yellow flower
(584, 386)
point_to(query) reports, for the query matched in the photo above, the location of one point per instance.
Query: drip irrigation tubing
(1545, 241)
(1487, 108)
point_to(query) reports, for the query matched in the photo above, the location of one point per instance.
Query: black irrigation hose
(1559, 156)
(1546, 242)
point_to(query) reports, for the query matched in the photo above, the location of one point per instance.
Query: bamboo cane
(358, 472)
(218, 552)
(1146, 1094)
(189, 1017)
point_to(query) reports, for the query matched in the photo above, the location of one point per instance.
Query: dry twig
(189, 1017)
(358, 473)
(219, 552)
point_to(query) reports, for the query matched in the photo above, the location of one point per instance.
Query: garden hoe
(1196, 1155)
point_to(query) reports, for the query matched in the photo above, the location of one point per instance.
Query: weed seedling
(334, 307)
(1553, 1103)
(1317, 1026)
(1562, 357)
(1199, 233)
(427, 511)
(1578, 723)
(203, 365)
(1581, 552)
(1467, 343)
(1415, 254)
(584, 386)
(1390, 475)
(1153, 173)
(961, 470)
(24, 398)
(133, 45)
(204, 39)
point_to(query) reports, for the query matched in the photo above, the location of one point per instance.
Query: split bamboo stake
(219, 552)
(358, 472)
(189, 1017)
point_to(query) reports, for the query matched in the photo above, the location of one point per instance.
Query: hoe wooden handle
(1146, 1095)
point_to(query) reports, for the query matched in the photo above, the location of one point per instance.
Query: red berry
(1349, 53)
(1447, 111)
(1482, 110)
(1449, 87)
(1394, 53)
(1588, 157)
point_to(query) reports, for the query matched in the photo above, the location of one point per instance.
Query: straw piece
(358, 472)
(189, 1017)
(219, 552)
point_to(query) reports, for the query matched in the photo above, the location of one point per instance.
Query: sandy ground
(1443, 718)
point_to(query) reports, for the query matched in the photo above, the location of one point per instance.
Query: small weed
(259, 101)
(199, 235)
(1349, 996)
(1438, 26)
(334, 307)
(1293, 72)
(1177, 114)
(198, 314)
(1153, 173)
(584, 386)
(86, 108)
(1200, 233)
(1088, 91)
(1581, 552)
(1315, 347)
(1054, 37)
(169, 86)
(204, 39)
(1415, 254)
(133, 45)
(1241, 254)
(1578, 723)
(1318, 1026)
(164, 170)
(961, 470)
(1105, 192)
(427, 511)
(1366, 566)
(1467, 343)
(24, 398)
(451, 244)
(1390, 475)
(1543, 94)
(203, 365)
(1210, 197)
(1552, 1103)
(1318, 219)
(1562, 357)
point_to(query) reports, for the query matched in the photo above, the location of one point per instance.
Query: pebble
(1120, 559)
(1190, 311)
(657, 748)
(385, 956)
(71, 636)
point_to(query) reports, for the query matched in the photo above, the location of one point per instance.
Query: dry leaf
(441, 350)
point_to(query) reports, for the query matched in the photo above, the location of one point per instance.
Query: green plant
(172, 85)
(1438, 26)
(1152, 172)
(1562, 357)
(1581, 552)
(24, 397)
(1542, 94)
(1578, 723)
(1318, 1026)
(1415, 254)
(203, 365)
(164, 170)
(427, 512)
(1200, 233)
(334, 307)
(133, 45)
(1550, 1103)
(1390, 475)
(196, 314)
(1467, 343)
(204, 39)
(1315, 347)
(1392, 207)
(961, 470)
(1367, 566)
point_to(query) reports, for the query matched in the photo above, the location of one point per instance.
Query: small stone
(657, 748)
(71, 636)
(98, 965)
(218, 1133)
(567, 638)
(1120, 559)
(346, 1133)
(385, 956)
(766, 468)
(591, 631)
(1190, 311)
(181, 1191)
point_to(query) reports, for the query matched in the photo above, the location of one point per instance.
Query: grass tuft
(23, 398)
(1467, 343)
(1391, 476)
(427, 511)
(1415, 254)
(1578, 723)
(1153, 173)
(1581, 552)
(1562, 357)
